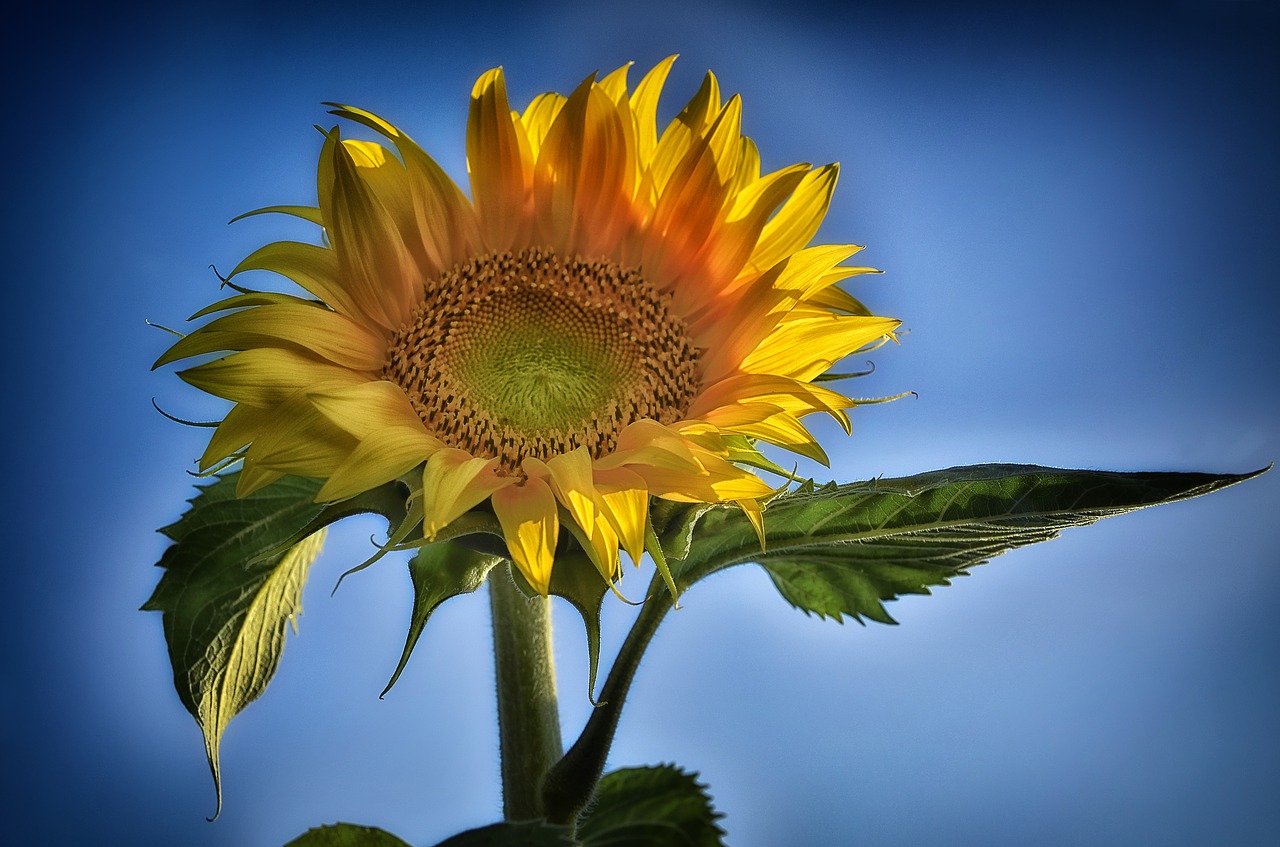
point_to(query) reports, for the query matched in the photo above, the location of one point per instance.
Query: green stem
(528, 715)
(571, 782)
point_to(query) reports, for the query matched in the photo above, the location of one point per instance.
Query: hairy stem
(528, 714)
(570, 783)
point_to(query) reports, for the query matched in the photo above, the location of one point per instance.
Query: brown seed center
(532, 354)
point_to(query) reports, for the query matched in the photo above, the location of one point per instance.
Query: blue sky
(1076, 208)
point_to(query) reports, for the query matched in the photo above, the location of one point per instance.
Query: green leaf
(659, 806)
(674, 522)
(346, 835)
(440, 571)
(845, 549)
(575, 579)
(233, 579)
(520, 834)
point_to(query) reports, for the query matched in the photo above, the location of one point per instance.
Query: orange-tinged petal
(445, 231)
(531, 525)
(730, 335)
(497, 153)
(728, 251)
(581, 189)
(686, 214)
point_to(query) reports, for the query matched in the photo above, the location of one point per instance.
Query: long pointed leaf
(846, 549)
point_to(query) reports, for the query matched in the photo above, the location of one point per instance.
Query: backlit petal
(531, 525)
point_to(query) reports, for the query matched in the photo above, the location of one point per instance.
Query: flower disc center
(531, 354)
(539, 361)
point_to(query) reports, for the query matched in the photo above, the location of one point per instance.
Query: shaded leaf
(842, 550)
(575, 579)
(660, 806)
(346, 835)
(673, 523)
(508, 834)
(439, 571)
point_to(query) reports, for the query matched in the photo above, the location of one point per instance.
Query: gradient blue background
(1077, 209)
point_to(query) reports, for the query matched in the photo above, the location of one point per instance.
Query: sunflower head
(614, 314)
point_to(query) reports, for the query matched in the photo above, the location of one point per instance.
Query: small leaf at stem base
(346, 835)
(658, 806)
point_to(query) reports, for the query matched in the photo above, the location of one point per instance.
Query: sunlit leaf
(232, 580)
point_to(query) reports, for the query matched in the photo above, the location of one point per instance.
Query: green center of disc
(541, 363)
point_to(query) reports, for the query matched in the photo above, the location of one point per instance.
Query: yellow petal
(453, 483)
(235, 431)
(755, 513)
(798, 219)
(806, 346)
(625, 505)
(538, 117)
(531, 526)
(366, 407)
(688, 129)
(573, 485)
(375, 267)
(384, 455)
(787, 393)
(649, 442)
(769, 423)
(297, 324)
(644, 110)
(313, 268)
(299, 441)
(266, 376)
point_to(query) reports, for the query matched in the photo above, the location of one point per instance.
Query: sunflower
(615, 314)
